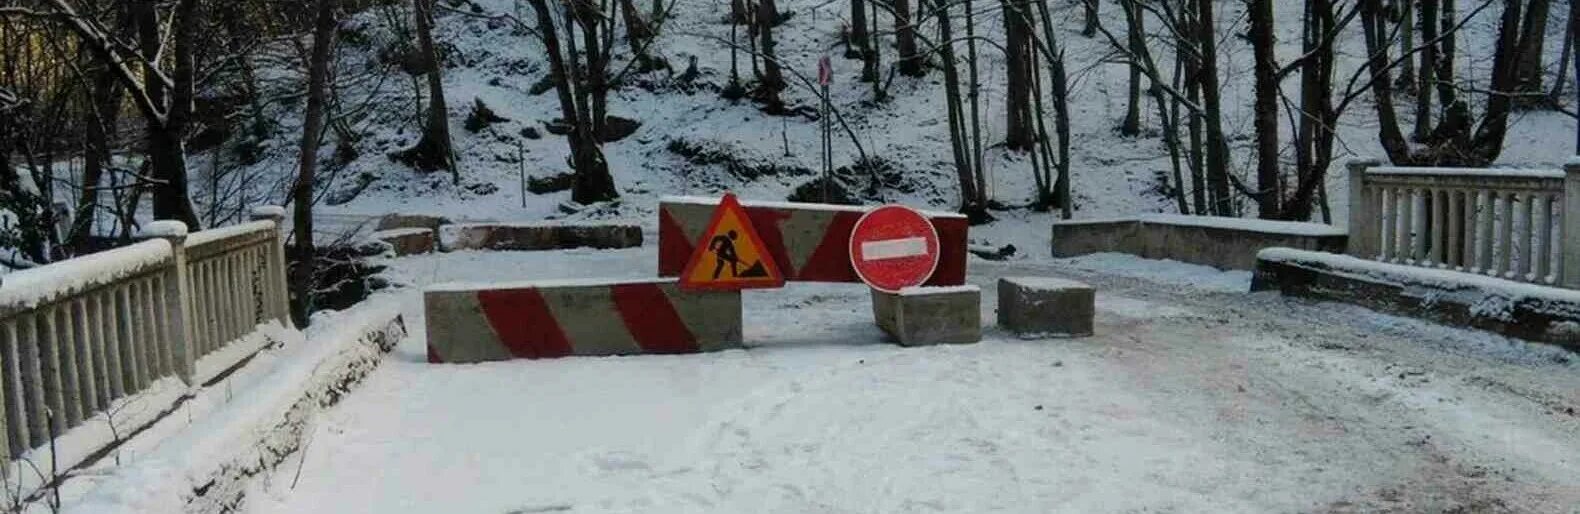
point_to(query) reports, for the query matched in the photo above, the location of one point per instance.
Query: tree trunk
(637, 30)
(433, 151)
(304, 252)
(905, 40)
(1374, 25)
(1532, 40)
(1018, 129)
(166, 147)
(593, 82)
(1090, 27)
(1488, 142)
(1135, 35)
(969, 195)
(1428, 76)
(974, 92)
(1269, 192)
(773, 79)
(1192, 71)
(593, 183)
(856, 47)
(1059, 87)
(1217, 149)
(1563, 59)
(1448, 17)
(1316, 132)
(1405, 12)
(102, 109)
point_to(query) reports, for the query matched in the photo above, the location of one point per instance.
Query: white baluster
(1406, 223)
(151, 325)
(1453, 253)
(131, 340)
(1541, 269)
(49, 364)
(115, 372)
(35, 400)
(66, 344)
(89, 387)
(1436, 256)
(1385, 224)
(16, 437)
(1506, 258)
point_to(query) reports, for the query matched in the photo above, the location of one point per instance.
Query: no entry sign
(893, 247)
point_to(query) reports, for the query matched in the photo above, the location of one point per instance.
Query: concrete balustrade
(79, 334)
(1504, 223)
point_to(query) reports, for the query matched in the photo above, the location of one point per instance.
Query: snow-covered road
(1191, 398)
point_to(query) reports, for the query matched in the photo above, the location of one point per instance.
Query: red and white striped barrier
(548, 319)
(809, 242)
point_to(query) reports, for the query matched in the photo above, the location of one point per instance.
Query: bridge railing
(1521, 225)
(79, 334)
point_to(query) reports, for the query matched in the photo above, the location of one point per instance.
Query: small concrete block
(399, 221)
(930, 315)
(1038, 305)
(408, 241)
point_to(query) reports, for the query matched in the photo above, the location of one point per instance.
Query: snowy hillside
(491, 60)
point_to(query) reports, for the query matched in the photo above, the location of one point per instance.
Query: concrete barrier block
(1046, 306)
(540, 236)
(922, 316)
(400, 221)
(809, 242)
(549, 319)
(408, 241)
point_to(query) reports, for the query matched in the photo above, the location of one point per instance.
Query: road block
(562, 318)
(809, 242)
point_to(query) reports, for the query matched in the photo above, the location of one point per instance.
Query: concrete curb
(1223, 243)
(1513, 309)
(283, 434)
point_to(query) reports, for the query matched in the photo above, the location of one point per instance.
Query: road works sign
(730, 255)
(893, 247)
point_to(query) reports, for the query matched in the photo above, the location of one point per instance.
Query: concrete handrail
(79, 334)
(1506, 223)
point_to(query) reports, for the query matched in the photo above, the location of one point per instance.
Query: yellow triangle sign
(730, 255)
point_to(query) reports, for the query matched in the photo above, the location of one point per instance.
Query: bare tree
(1217, 149)
(576, 94)
(905, 40)
(1019, 131)
(433, 150)
(1529, 70)
(1452, 142)
(1090, 27)
(973, 200)
(305, 252)
(1135, 34)
(1266, 121)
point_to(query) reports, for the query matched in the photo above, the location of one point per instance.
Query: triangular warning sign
(730, 255)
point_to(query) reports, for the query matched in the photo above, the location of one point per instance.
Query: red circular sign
(894, 247)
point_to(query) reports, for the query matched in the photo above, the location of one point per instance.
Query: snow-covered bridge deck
(1191, 398)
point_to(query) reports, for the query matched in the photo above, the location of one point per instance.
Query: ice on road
(1189, 399)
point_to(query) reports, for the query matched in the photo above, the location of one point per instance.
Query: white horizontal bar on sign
(893, 248)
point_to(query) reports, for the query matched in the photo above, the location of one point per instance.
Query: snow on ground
(1191, 398)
